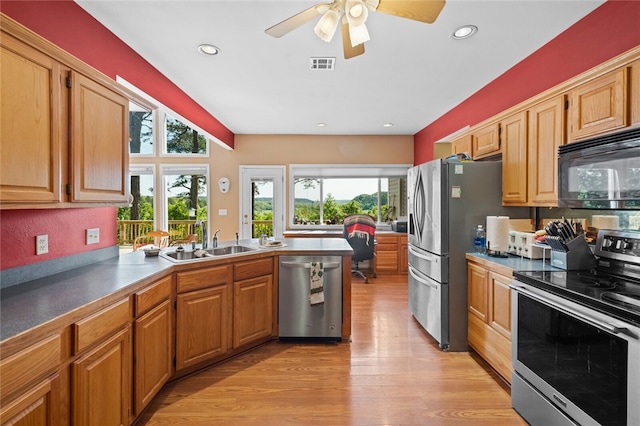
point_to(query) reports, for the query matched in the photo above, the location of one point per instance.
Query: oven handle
(608, 327)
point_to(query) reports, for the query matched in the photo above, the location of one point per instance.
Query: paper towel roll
(498, 233)
(601, 221)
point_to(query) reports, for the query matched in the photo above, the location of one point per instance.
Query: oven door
(582, 364)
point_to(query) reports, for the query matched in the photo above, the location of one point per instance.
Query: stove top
(612, 287)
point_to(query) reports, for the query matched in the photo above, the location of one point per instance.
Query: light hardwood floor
(392, 373)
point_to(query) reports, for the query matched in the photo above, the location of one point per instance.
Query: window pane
(137, 219)
(186, 202)
(140, 130)
(262, 207)
(182, 139)
(306, 201)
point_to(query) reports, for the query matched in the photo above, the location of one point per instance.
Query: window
(141, 133)
(322, 195)
(182, 138)
(185, 199)
(139, 217)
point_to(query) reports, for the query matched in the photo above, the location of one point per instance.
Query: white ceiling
(410, 74)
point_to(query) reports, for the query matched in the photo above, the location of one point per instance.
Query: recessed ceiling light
(208, 49)
(321, 124)
(387, 125)
(464, 32)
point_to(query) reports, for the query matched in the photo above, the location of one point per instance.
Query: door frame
(275, 173)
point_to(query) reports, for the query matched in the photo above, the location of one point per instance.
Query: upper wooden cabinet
(599, 105)
(64, 127)
(486, 140)
(462, 145)
(514, 159)
(634, 90)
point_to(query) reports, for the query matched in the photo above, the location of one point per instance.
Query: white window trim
(338, 171)
(180, 169)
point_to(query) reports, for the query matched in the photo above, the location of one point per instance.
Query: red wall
(68, 26)
(608, 31)
(66, 229)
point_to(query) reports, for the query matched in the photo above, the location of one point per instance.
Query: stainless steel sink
(184, 256)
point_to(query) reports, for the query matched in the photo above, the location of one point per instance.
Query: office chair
(359, 231)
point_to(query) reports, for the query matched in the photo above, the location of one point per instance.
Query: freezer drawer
(296, 317)
(428, 303)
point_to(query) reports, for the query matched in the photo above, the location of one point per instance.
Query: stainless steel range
(576, 339)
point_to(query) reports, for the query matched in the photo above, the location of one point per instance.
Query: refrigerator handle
(428, 257)
(421, 280)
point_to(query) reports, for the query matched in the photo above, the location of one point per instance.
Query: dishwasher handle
(307, 265)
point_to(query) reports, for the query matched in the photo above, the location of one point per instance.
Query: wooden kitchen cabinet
(31, 388)
(514, 159)
(153, 345)
(64, 127)
(403, 255)
(486, 140)
(252, 302)
(599, 105)
(101, 383)
(489, 314)
(634, 91)
(463, 144)
(391, 253)
(203, 316)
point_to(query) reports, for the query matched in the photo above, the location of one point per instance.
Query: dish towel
(316, 297)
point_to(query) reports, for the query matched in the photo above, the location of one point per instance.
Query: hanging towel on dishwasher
(316, 296)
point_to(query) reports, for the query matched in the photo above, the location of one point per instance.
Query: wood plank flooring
(392, 373)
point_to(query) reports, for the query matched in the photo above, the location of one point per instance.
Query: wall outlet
(42, 244)
(93, 236)
(222, 212)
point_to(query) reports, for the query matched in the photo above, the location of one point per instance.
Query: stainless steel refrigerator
(447, 199)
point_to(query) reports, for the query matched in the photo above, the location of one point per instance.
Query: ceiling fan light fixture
(358, 34)
(326, 26)
(463, 32)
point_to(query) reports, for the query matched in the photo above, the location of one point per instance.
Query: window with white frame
(141, 130)
(182, 138)
(323, 195)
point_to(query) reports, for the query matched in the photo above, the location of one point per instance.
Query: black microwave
(601, 173)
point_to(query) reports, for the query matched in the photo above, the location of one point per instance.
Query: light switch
(222, 212)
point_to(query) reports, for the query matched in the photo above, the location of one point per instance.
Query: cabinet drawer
(99, 325)
(203, 278)
(252, 268)
(386, 247)
(29, 364)
(152, 295)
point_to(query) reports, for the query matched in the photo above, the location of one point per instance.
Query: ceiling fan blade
(418, 10)
(293, 22)
(350, 51)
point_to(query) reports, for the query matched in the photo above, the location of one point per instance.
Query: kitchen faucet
(215, 239)
(203, 224)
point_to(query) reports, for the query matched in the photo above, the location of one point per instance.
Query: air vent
(323, 63)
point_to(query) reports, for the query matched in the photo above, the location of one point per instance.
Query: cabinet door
(486, 140)
(252, 310)
(477, 282)
(31, 125)
(634, 93)
(500, 304)
(599, 105)
(462, 145)
(101, 383)
(203, 326)
(403, 257)
(546, 135)
(386, 254)
(152, 348)
(514, 159)
(99, 141)
(38, 406)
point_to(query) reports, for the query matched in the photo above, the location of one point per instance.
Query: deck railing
(129, 230)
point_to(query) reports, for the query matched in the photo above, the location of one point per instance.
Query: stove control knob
(619, 244)
(606, 243)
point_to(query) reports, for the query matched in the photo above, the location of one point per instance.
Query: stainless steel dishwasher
(296, 317)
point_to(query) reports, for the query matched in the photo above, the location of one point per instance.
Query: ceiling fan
(352, 14)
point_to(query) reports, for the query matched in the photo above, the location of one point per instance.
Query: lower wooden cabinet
(152, 354)
(252, 313)
(37, 406)
(391, 253)
(101, 383)
(203, 325)
(489, 309)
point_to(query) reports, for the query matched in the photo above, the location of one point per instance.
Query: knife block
(578, 257)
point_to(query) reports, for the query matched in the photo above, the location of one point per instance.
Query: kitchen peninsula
(126, 325)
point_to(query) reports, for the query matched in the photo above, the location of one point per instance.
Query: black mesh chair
(359, 231)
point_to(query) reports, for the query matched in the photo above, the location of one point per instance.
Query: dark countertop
(34, 303)
(516, 263)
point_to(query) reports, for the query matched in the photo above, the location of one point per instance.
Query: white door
(262, 201)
